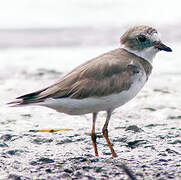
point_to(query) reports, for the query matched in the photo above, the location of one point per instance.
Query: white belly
(95, 104)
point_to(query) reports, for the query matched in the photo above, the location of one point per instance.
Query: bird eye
(141, 38)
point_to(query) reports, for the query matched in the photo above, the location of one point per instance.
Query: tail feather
(26, 99)
(30, 96)
(15, 103)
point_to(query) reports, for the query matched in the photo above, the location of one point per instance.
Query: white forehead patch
(155, 37)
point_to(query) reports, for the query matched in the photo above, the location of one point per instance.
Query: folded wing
(104, 75)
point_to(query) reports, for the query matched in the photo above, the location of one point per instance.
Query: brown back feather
(101, 76)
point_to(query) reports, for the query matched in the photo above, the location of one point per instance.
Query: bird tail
(15, 103)
(27, 99)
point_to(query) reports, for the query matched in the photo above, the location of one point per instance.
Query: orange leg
(105, 133)
(93, 135)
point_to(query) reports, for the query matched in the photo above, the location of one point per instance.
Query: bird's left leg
(105, 133)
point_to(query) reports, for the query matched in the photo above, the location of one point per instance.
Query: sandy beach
(145, 132)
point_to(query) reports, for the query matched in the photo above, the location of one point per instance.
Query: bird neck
(148, 53)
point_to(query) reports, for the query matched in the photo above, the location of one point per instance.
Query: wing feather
(104, 75)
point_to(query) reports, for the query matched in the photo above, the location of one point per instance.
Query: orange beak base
(163, 47)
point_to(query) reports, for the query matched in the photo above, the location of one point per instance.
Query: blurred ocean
(38, 23)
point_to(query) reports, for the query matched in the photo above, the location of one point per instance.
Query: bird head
(144, 41)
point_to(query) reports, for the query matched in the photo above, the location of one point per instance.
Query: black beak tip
(168, 49)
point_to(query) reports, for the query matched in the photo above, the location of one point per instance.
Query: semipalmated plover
(103, 83)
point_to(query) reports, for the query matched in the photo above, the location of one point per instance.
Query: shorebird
(103, 83)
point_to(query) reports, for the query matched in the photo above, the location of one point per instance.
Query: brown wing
(104, 75)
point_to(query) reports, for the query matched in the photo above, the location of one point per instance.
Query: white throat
(147, 54)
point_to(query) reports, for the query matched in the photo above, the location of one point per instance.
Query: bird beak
(162, 46)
